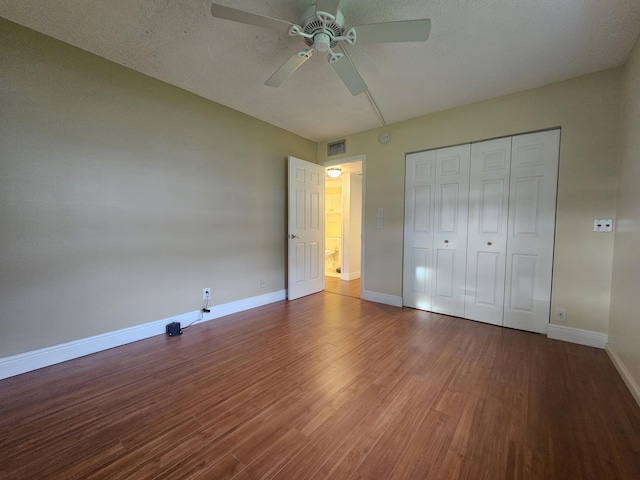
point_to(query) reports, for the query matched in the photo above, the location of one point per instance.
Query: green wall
(121, 197)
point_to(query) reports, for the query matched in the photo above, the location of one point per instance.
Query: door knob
(489, 243)
(292, 236)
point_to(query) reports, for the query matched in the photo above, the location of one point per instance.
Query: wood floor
(350, 288)
(327, 386)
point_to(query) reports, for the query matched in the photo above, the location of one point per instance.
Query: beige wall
(121, 197)
(624, 328)
(587, 110)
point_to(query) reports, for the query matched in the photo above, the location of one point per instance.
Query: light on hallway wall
(334, 172)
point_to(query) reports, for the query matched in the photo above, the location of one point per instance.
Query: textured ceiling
(478, 49)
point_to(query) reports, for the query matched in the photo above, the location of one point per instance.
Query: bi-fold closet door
(436, 229)
(479, 230)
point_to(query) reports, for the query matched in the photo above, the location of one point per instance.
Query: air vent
(336, 148)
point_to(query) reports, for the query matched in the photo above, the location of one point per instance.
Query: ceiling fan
(322, 28)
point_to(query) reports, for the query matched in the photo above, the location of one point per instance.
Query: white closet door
(450, 229)
(487, 239)
(418, 229)
(532, 213)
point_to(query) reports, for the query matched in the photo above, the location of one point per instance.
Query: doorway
(343, 226)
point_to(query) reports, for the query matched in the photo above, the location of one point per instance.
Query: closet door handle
(489, 243)
(446, 241)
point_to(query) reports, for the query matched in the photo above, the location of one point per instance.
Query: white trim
(577, 335)
(633, 387)
(44, 357)
(377, 297)
(246, 304)
(349, 276)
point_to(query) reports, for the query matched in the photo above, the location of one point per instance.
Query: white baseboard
(44, 357)
(385, 298)
(349, 276)
(577, 335)
(632, 385)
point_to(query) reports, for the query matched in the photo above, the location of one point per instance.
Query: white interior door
(479, 234)
(451, 200)
(306, 228)
(532, 214)
(487, 237)
(436, 202)
(418, 230)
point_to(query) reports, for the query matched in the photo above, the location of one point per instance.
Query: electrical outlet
(263, 283)
(561, 314)
(206, 293)
(603, 225)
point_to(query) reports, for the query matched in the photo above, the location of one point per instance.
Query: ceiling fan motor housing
(322, 34)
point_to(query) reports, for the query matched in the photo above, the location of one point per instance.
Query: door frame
(356, 158)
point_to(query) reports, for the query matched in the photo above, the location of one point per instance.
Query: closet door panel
(450, 232)
(417, 283)
(487, 237)
(534, 173)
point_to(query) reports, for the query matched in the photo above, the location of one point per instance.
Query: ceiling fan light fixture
(334, 172)
(322, 42)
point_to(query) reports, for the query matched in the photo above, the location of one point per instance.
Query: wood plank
(327, 386)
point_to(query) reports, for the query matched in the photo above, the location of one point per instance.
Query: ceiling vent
(336, 148)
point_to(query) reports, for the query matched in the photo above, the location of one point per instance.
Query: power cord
(203, 310)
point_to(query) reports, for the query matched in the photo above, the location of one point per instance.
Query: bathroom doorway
(343, 226)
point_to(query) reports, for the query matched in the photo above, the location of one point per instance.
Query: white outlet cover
(603, 225)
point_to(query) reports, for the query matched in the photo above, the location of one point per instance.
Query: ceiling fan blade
(349, 75)
(328, 6)
(402, 31)
(288, 68)
(228, 13)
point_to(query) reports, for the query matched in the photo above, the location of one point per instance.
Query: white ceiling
(477, 49)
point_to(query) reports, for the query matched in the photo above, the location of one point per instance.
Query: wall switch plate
(603, 225)
(206, 293)
(380, 213)
(380, 223)
(561, 315)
